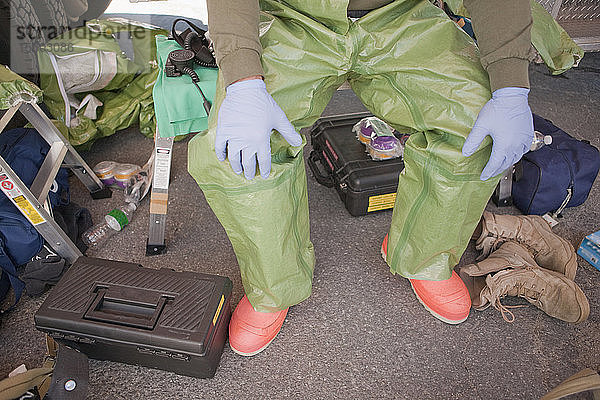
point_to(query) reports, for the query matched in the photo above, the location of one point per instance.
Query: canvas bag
(557, 175)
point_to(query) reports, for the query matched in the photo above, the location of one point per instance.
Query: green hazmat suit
(92, 87)
(412, 67)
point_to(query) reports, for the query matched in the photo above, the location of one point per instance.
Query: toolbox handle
(126, 312)
(325, 180)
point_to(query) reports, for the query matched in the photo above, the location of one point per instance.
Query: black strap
(178, 37)
(70, 378)
(194, 38)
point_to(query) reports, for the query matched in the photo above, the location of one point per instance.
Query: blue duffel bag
(557, 175)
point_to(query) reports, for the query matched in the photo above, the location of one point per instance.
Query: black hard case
(110, 310)
(360, 181)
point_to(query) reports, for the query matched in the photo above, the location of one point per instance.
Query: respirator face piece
(177, 61)
(194, 39)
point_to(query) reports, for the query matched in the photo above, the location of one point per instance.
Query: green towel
(177, 102)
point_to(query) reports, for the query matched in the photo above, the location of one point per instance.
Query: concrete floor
(361, 334)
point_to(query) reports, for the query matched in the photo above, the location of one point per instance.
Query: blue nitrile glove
(247, 116)
(507, 119)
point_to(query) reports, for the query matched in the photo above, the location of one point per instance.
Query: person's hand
(507, 119)
(246, 117)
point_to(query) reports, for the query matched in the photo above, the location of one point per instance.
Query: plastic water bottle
(120, 216)
(113, 222)
(539, 140)
(98, 235)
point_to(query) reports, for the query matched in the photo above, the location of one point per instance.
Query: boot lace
(533, 296)
(507, 315)
(528, 293)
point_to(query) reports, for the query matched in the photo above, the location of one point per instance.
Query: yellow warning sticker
(381, 202)
(29, 210)
(218, 310)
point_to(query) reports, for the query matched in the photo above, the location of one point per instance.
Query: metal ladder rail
(30, 201)
(163, 151)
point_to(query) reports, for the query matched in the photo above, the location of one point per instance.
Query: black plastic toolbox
(110, 310)
(364, 185)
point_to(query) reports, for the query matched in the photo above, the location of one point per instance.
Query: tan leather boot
(509, 255)
(549, 250)
(512, 271)
(584, 380)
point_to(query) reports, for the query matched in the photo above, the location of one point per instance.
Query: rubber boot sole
(254, 352)
(436, 315)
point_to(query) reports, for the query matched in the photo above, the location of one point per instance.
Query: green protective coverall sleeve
(394, 58)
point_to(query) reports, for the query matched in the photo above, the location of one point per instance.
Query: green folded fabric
(177, 102)
(15, 89)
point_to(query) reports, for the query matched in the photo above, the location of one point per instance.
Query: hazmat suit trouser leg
(435, 87)
(413, 68)
(267, 220)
